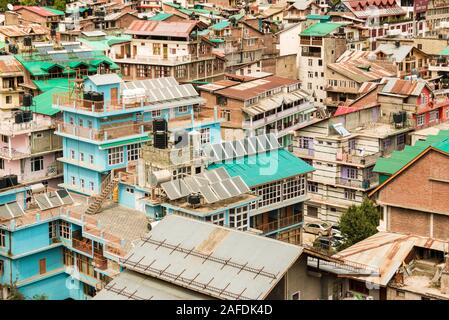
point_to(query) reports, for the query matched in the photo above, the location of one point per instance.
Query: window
(73, 180)
(81, 122)
(81, 156)
(238, 218)
(217, 219)
(320, 62)
(156, 49)
(68, 257)
(64, 229)
(433, 116)
(182, 109)
(310, 62)
(37, 164)
(2, 238)
(294, 187)
(89, 124)
(309, 86)
(115, 155)
(133, 151)
(53, 230)
(226, 114)
(205, 135)
(72, 154)
(143, 71)
(91, 159)
(82, 183)
(156, 113)
(2, 164)
(349, 173)
(91, 186)
(72, 121)
(2, 267)
(305, 143)
(420, 120)
(5, 139)
(400, 139)
(8, 99)
(349, 194)
(296, 295)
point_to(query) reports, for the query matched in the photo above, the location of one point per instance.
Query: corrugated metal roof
(397, 53)
(104, 79)
(321, 29)
(363, 8)
(42, 11)
(8, 64)
(24, 30)
(161, 16)
(161, 28)
(265, 167)
(213, 260)
(403, 87)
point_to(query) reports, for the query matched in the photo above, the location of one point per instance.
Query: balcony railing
(280, 223)
(9, 127)
(82, 245)
(159, 60)
(303, 152)
(364, 184)
(356, 157)
(12, 153)
(100, 262)
(104, 134)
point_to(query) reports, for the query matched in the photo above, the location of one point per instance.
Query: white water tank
(158, 177)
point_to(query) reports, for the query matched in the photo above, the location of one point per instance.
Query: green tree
(59, 4)
(3, 4)
(28, 2)
(14, 293)
(359, 222)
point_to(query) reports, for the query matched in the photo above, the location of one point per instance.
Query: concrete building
(321, 44)
(163, 49)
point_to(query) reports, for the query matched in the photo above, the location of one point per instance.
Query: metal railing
(82, 245)
(355, 156)
(104, 134)
(280, 223)
(364, 184)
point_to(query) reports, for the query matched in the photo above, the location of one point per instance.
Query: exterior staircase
(109, 185)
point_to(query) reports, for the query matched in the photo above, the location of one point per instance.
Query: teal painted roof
(38, 64)
(445, 52)
(221, 25)
(399, 159)
(106, 43)
(265, 167)
(321, 29)
(161, 16)
(124, 142)
(57, 12)
(43, 102)
(318, 17)
(237, 17)
(45, 85)
(216, 40)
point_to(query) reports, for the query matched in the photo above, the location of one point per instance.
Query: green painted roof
(321, 29)
(399, 159)
(221, 25)
(124, 142)
(237, 17)
(58, 12)
(38, 64)
(216, 40)
(45, 85)
(265, 167)
(318, 17)
(43, 102)
(161, 16)
(106, 43)
(445, 52)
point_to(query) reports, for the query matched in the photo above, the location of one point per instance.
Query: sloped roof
(239, 265)
(104, 79)
(363, 8)
(265, 167)
(399, 159)
(403, 87)
(42, 11)
(8, 64)
(221, 25)
(321, 29)
(161, 28)
(161, 16)
(397, 53)
(24, 30)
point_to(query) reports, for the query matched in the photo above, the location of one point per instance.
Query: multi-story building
(49, 248)
(14, 35)
(262, 105)
(352, 74)
(299, 10)
(320, 44)
(343, 150)
(163, 49)
(44, 16)
(104, 136)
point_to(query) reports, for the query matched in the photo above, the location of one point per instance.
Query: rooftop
(42, 11)
(397, 53)
(403, 88)
(180, 29)
(321, 29)
(239, 265)
(24, 30)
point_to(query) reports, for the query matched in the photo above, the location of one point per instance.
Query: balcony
(106, 133)
(12, 154)
(311, 54)
(8, 126)
(353, 183)
(54, 169)
(100, 262)
(158, 60)
(341, 89)
(277, 116)
(83, 245)
(301, 152)
(280, 223)
(356, 157)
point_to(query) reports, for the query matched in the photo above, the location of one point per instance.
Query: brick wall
(409, 221)
(440, 226)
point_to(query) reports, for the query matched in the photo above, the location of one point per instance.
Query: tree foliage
(28, 2)
(359, 222)
(59, 4)
(40, 297)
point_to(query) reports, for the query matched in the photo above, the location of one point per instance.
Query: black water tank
(97, 96)
(160, 139)
(27, 100)
(12, 48)
(27, 115)
(194, 199)
(403, 116)
(27, 41)
(160, 124)
(87, 95)
(18, 117)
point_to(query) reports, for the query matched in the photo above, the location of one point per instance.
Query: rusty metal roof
(21, 31)
(161, 28)
(8, 64)
(403, 87)
(251, 89)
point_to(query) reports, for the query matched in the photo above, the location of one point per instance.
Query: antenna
(10, 7)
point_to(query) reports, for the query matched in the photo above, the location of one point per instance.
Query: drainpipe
(10, 253)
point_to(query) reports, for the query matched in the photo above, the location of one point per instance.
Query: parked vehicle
(336, 233)
(318, 228)
(326, 243)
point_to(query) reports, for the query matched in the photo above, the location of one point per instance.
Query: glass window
(115, 156)
(133, 151)
(37, 164)
(205, 135)
(2, 238)
(64, 229)
(238, 218)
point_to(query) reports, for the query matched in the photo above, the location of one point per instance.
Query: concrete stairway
(95, 206)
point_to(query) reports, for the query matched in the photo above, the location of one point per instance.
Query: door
(42, 266)
(114, 96)
(134, 51)
(165, 51)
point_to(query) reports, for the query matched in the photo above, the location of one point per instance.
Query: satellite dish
(10, 7)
